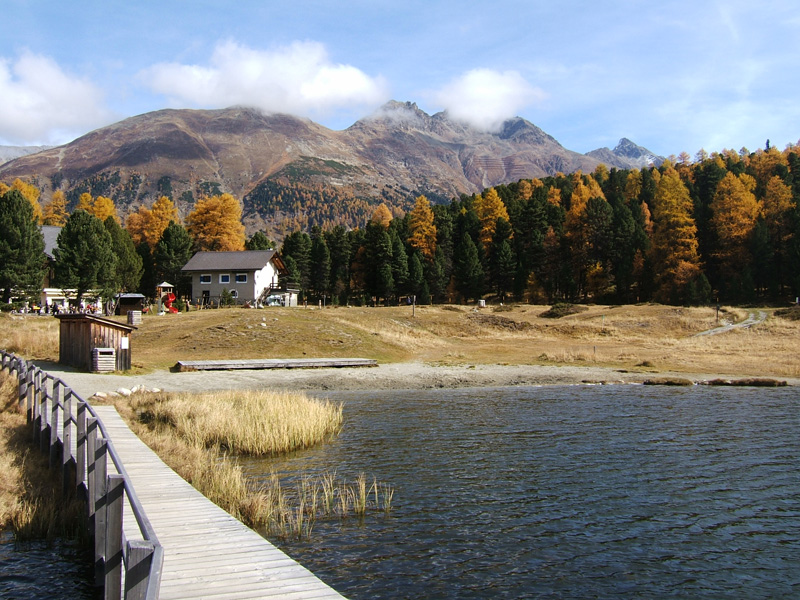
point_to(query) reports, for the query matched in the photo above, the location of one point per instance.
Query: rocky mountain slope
(276, 162)
(8, 153)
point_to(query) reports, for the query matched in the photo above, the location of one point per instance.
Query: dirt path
(752, 319)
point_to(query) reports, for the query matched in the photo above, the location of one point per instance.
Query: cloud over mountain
(299, 79)
(485, 98)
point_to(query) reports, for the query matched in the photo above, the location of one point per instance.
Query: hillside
(279, 163)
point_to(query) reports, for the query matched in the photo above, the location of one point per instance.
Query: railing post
(80, 454)
(137, 570)
(30, 390)
(35, 418)
(44, 414)
(67, 458)
(115, 485)
(99, 501)
(91, 454)
(22, 376)
(55, 405)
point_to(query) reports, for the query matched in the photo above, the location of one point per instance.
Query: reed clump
(257, 422)
(198, 435)
(31, 502)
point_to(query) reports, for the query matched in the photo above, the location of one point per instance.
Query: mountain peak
(627, 155)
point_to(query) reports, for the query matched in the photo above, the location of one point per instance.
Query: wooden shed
(81, 334)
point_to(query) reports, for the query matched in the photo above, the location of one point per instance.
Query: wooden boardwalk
(207, 552)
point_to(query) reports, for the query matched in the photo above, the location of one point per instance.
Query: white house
(251, 276)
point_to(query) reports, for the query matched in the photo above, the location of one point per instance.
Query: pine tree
(128, 270)
(171, 253)
(467, 269)
(22, 264)
(259, 241)
(320, 263)
(85, 258)
(399, 265)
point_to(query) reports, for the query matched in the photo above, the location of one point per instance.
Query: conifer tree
(128, 269)
(31, 193)
(422, 231)
(22, 263)
(467, 269)
(674, 244)
(259, 241)
(215, 224)
(320, 263)
(488, 208)
(171, 253)
(85, 258)
(735, 211)
(55, 211)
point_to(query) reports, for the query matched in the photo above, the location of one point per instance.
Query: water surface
(564, 492)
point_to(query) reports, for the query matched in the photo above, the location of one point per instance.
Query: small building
(249, 276)
(81, 334)
(125, 302)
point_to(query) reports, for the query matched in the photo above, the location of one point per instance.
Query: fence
(78, 444)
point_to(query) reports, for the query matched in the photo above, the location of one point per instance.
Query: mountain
(626, 155)
(8, 153)
(281, 165)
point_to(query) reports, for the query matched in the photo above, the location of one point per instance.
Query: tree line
(724, 227)
(721, 227)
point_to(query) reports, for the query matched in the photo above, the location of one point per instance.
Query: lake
(563, 492)
(549, 492)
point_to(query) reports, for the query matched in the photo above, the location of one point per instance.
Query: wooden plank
(207, 552)
(274, 363)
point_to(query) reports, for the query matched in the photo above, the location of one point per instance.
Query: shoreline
(389, 376)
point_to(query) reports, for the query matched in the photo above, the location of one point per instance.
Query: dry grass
(31, 504)
(613, 336)
(32, 336)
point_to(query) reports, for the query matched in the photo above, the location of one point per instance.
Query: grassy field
(645, 337)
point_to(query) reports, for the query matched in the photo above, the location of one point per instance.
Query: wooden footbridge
(155, 536)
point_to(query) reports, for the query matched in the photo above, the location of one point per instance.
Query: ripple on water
(565, 492)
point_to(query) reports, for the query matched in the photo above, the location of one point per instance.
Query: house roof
(246, 260)
(50, 235)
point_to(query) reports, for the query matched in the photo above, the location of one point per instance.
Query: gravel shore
(411, 375)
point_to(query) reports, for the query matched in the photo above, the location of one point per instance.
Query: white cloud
(485, 98)
(298, 79)
(42, 104)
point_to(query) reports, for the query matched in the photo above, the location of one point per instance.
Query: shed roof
(245, 260)
(94, 319)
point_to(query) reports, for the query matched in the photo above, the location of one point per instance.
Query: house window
(225, 278)
(234, 294)
(205, 278)
(241, 278)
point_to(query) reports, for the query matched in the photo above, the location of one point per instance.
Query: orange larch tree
(422, 229)
(215, 224)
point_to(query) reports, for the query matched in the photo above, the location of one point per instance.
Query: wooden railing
(67, 428)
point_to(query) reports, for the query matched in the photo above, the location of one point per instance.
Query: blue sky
(672, 76)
